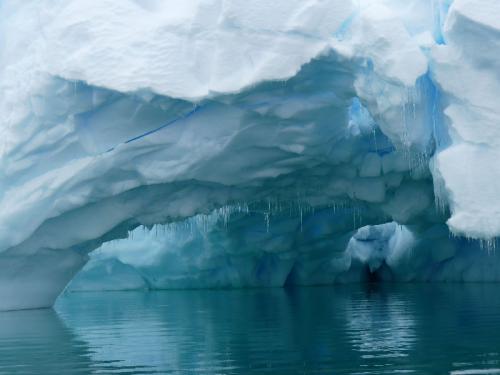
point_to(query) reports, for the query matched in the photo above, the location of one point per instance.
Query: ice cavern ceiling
(234, 143)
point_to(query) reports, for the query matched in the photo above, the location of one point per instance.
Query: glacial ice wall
(256, 249)
(121, 114)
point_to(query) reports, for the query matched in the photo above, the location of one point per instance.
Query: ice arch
(123, 114)
(253, 250)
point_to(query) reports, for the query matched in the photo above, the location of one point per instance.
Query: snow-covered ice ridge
(118, 114)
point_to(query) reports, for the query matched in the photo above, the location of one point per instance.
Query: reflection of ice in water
(339, 330)
(118, 345)
(37, 342)
(228, 331)
(119, 336)
(488, 371)
(145, 332)
(380, 326)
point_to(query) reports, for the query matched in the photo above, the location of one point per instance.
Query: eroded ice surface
(122, 114)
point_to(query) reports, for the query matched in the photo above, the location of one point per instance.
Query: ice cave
(229, 144)
(252, 187)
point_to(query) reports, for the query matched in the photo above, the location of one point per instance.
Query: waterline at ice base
(232, 144)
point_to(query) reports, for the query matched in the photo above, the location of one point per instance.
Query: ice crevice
(236, 144)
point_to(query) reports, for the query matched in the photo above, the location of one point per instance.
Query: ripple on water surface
(420, 329)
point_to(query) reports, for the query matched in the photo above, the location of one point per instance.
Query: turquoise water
(419, 329)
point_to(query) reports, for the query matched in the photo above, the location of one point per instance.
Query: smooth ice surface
(248, 252)
(121, 114)
(115, 274)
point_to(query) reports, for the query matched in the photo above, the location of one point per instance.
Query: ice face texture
(307, 120)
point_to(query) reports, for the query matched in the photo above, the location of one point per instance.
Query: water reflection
(37, 342)
(380, 325)
(424, 329)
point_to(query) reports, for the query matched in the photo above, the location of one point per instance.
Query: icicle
(301, 226)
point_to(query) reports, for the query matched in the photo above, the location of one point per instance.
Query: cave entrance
(382, 274)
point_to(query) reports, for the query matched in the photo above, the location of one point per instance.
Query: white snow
(467, 71)
(120, 113)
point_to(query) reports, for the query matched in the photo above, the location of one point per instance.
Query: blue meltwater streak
(195, 109)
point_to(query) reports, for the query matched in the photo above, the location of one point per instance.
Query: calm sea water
(420, 329)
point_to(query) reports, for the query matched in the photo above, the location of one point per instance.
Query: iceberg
(285, 143)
